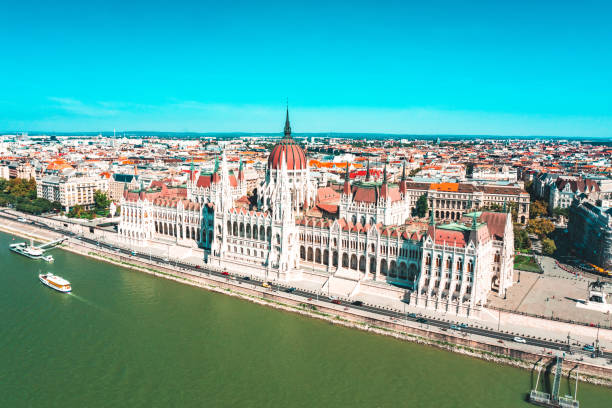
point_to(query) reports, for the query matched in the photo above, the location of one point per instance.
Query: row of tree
(21, 195)
(539, 208)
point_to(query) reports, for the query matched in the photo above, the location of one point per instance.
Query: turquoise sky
(454, 67)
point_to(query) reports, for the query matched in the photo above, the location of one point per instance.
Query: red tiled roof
(496, 223)
(448, 237)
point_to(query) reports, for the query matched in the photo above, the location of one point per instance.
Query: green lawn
(526, 263)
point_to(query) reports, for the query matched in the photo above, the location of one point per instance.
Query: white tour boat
(55, 282)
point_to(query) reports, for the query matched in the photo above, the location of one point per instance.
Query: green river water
(128, 339)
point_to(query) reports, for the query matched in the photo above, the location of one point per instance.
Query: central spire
(385, 174)
(287, 125)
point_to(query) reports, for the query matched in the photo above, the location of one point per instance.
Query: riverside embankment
(363, 320)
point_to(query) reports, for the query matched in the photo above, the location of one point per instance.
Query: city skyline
(404, 68)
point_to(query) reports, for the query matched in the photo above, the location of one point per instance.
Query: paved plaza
(553, 294)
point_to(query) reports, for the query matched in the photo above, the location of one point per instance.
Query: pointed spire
(403, 181)
(384, 189)
(191, 171)
(368, 171)
(241, 170)
(216, 164)
(287, 125)
(474, 220)
(505, 207)
(347, 182)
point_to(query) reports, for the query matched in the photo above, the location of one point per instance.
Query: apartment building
(71, 191)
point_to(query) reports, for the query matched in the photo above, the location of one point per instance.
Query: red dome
(294, 155)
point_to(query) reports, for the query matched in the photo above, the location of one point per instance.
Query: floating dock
(552, 400)
(35, 252)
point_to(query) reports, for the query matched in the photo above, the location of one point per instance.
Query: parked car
(588, 347)
(463, 325)
(290, 290)
(412, 315)
(224, 273)
(246, 278)
(454, 327)
(422, 320)
(358, 303)
(265, 285)
(336, 301)
(21, 219)
(520, 340)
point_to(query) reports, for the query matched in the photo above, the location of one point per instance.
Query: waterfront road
(394, 316)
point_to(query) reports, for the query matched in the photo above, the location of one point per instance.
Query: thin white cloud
(77, 107)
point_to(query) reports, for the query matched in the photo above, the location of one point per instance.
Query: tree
(541, 227)
(75, 211)
(421, 206)
(101, 200)
(521, 238)
(529, 189)
(537, 209)
(469, 169)
(548, 246)
(564, 212)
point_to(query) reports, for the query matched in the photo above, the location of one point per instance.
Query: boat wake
(89, 303)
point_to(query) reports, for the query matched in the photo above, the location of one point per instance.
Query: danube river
(124, 338)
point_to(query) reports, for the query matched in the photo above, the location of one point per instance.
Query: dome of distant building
(294, 154)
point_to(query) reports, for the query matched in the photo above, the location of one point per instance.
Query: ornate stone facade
(360, 242)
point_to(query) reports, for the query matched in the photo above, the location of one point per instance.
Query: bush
(548, 246)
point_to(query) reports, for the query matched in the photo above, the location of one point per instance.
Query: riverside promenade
(383, 318)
